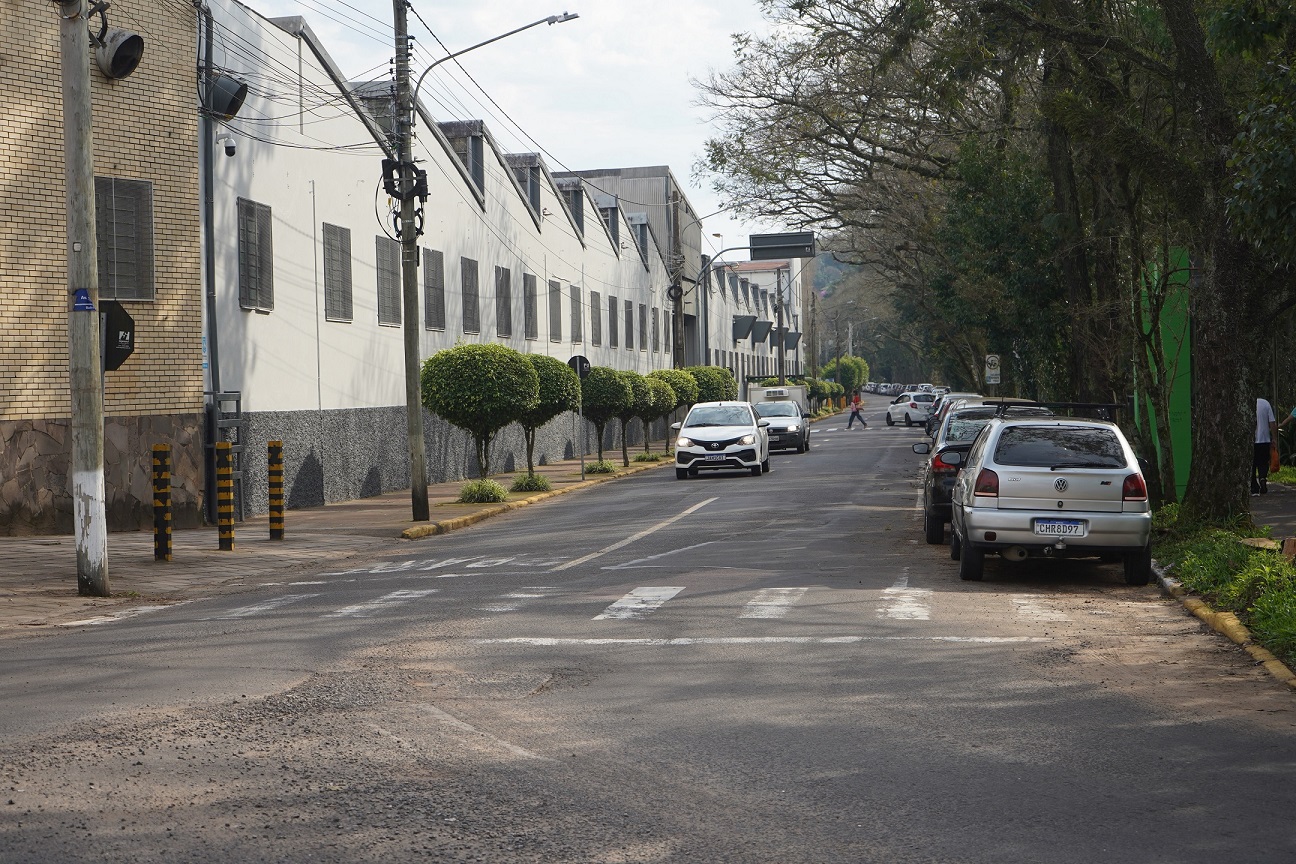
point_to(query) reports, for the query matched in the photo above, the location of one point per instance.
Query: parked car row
(886, 389)
(737, 436)
(1014, 479)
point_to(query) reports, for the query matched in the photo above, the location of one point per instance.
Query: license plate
(715, 457)
(775, 438)
(1060, 527)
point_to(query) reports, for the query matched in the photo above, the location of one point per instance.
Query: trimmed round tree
(684, 385)
(715, 384)
(640, 400)
(481, 389)
(560, 390)
(661, 402)
(604, 394)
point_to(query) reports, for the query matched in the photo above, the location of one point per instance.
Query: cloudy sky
(609, 89)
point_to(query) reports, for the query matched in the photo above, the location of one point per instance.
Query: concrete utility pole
(90, 523)
(677, 279)
(404, 123)
(782, 331)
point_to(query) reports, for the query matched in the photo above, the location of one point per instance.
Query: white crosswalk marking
(639, 603)
(515, 600)
(387, 601)
(772, 602)
(264, 606)
(905, 603)
(1029, 606)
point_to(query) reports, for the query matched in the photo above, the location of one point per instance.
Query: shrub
(714, 383)
(604, 394)
(640, 401)
(479, 388)
(684, 385)
(559, 391)
(648, 457)
(602, 466)
(851, 372)
(482, 492)
(660, 403)
(531, 483)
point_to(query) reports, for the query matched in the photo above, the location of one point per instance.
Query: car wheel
(681, 473)
(801, 447)
(765, 466)
(956, 549)
(890, 419)
(908, 420)
(934, 528)
(756, 470)
(971, 562)
(1138, 567)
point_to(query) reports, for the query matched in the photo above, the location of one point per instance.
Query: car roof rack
(1090, 410)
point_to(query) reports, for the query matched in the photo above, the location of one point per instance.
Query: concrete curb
(445, 526)
(1226, 623)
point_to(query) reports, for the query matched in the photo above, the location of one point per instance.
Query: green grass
(531, 483)
(482, 492)
(604, 467)
(1286, 475)
(648, 457)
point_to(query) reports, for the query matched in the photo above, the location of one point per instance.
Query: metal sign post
(581, 366)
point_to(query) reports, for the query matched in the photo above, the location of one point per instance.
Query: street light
(409, 233)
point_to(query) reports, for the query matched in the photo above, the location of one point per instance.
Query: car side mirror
(762, 422)
(675, 427)
(954, 457)
(922, 449)
(805, 415)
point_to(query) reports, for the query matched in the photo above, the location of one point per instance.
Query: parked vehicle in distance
(789, 426)
(948, 450)
(721, 435)
(1052, 487)
(911, 407)
(941, 404)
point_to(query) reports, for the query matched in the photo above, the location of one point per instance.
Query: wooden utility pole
(84, 363)
(405, 125)
(677, 279)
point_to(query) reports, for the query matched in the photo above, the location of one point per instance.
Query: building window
(530, 307)
(576, 204)
(596, 319)
(656, 333)
(255, 256)
(503, 302)
(471, 309)
(337, 273)
(124, 238)
(610, 218)
(389, 281)
(643, 327)
(614, 309)
(555, 310)
(577, 314)
(433, 289)
(630, 325)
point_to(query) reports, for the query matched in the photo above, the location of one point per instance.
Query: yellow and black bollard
(225, 495)
(275, 476)
(161, 502)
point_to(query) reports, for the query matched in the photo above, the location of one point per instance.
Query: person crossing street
(855, 414)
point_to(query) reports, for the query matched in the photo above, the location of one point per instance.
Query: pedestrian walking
(1266, 438)
(856, 405)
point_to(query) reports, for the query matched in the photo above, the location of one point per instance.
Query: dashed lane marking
(633, 537)
(639, 603)
(380, 604)
(905, 603)
(638, 563)
(772, 602)
(264, 606)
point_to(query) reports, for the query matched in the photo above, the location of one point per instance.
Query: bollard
(274, 474)
(225, 495)
(161, 502)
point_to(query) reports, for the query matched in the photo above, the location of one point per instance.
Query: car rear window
(923, 397)
(1059, 447)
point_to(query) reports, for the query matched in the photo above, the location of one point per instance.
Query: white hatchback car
(721, 435)
(911, 407)
(1051, 487)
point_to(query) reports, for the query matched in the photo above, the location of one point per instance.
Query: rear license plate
(1060, 527)
(715, 457)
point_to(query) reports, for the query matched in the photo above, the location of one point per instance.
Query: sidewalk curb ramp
(1227, 624)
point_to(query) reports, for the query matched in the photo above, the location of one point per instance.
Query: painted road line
(545, 641)
(639, 603)
(383, 603)
(264, 606)
(1029, 606)
(905, 603)
(638, 563)
(772, 602)
(515, 600)
(119, 616)
(632, 538)
(456, 723)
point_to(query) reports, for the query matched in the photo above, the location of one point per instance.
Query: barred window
(255, 256)
(614, 309)
(643, 327)
(530, 307)
(471, 309)
(433, 289)
(337, 273)
(656, 333)
(577, 314)
(596, 319)
(555, 310)
(124, 238)
(389, 280)
(629, 324)
(503, 301)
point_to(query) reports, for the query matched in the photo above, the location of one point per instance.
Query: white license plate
(1060, 527)
(775, 438)
(715, 457)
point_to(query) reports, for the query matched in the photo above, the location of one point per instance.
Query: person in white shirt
(1266, 434)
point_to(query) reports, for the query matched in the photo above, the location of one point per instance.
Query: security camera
(230, 144)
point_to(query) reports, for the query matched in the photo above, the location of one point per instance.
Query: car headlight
(683, 442)
(747, 439)
(795, 427)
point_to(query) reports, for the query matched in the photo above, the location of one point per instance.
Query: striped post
(275, 474)
(225, 495)
(161, 502)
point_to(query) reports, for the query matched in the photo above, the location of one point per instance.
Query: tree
(479, 388)
(681, 382)
(604, 393)
(714, 383)
(639, 402)
(559, 391)
(850, 373)
(661, 402)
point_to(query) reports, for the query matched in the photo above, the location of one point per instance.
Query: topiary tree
(479, 388)
(640, 401)
(715, 383)
(603, 395)
(559, 391)
(661, 402)
(684, 385)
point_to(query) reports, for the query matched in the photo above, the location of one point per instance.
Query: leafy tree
(661, 402)
(639, 402)
(559, 391)
(681, 382)
(479, 388)
(850, 373)
(604, 394)
(714, 383)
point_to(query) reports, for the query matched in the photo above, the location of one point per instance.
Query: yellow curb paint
(1227, 624)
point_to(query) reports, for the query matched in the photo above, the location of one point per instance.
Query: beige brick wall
(145, 128)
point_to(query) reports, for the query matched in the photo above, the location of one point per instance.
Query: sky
(610, 89)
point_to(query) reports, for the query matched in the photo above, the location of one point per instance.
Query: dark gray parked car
(789, 426)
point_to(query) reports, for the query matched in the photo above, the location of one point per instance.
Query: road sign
(992, 369)
(775, 247)
(580, 365)
(119, 334)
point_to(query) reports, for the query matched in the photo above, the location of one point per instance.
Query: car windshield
(1060, 447)
(778, 409)
(964, 428)
(719, 415)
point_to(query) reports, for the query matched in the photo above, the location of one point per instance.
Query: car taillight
(913, 404)
(940, 466)
(1134, 489)
(987, 483)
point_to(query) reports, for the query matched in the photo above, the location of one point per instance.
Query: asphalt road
(731, 668)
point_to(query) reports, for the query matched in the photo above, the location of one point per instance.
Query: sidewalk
(38, 582)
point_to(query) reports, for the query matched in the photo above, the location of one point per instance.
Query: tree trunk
(625, 450)
(529, 433)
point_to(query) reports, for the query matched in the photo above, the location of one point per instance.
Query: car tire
(1138, 567)
(890, 419)
(956, 549)
(765, 466)
(908, 420)
(801, 447)
(971, 562)
(933, 528)
(681, 474)
(756, 470)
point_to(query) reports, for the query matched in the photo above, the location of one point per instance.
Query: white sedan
(912, 407)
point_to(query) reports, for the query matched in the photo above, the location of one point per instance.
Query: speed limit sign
(992, 369)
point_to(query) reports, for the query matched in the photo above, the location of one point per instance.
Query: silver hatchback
(1051, 487)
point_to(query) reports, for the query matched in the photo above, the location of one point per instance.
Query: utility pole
(850, 338)
(782, 332)
(405, 125)
(677, 279)
(84, 363)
